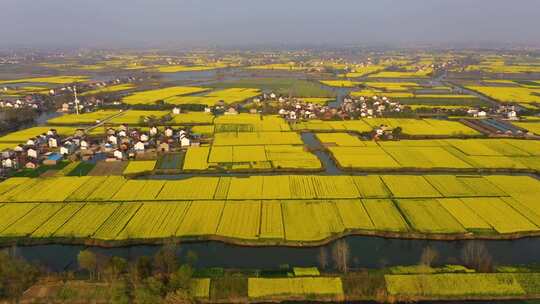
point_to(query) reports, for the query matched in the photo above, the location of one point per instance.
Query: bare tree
(88, 261)
(340, 254)
(429, 255)
(475, 255)
(322, 258)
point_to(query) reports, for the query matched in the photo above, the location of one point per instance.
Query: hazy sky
(118, 23)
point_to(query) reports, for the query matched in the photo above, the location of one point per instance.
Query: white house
(122, 133)
(176, 110)
(153, 131)
(184, 141)
(7, 163)
(32, 153)
(67, 148)
(30, 142)
(144, 137)
(139, 146)
(53, 143)
(169, 132)
(118, 154)
(113, 140)
(292, 115)
(84, 144)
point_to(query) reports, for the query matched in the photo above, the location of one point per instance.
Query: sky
(164, 23)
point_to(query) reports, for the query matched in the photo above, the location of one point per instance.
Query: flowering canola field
(267, 209)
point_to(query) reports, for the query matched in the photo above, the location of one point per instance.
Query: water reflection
(365, 252)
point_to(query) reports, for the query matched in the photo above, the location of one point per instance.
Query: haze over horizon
(164, 23)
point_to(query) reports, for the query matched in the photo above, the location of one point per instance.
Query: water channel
(365, 252)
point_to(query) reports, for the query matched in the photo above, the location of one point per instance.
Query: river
(365, 252)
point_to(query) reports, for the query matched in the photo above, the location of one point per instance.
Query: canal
(365, 252)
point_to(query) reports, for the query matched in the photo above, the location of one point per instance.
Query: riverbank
(366, 286)
(261, 243)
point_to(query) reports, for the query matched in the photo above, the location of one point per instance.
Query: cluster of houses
(363, 107)
(295, 108)
(118, 143)
(29, 101)
(127, 142)
(509, 112)
(47, 148)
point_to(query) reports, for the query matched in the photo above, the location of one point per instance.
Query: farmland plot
(409, 186)
(353, 214)
(222, 188)
(256, 138)
(500, 215)
(129, 190)
(193, 188)
(524, 209)
(464, 215)
(246, 187)
(139, 166)
(107, 189)
(453, 284)
(87, 188)
(85, 222)
(54, 223)
(240, 220)
(20, 190)
(308, 286)
(516, 185)
(371, 186)
(11, 183)
(271, 220)
(384, 215)
(425, 157)
(276, 187)
(428, 216)
(154, 220)
(10, 213)
(363, 157)
(450, 185)
(310, 220)
(340, 139)
(117, 221)
(202, 218)
(196, 158)
(28, 223)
